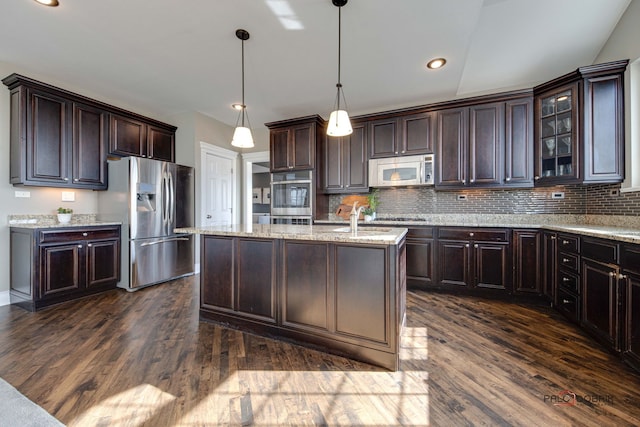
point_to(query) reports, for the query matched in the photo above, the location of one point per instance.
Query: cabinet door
(556, 136)
(255, 292)
(217, 278)
(486, 139)
(452, 147)
(304, 147)
(417, 133)
(454, 262)
(382, 138)
(527, 261)
(419, 260)
(161, 144)
(48, 138)
(279, 150)
(604, 121)
(356, 167)
(103, 262)
(334, 161)
(491, 265)
(518, 146)
(89, 147)
(600, 314)
(632, 320)
(128, 137)
(61, 269)
(549, 265)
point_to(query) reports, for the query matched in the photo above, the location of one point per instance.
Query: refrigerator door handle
(165, 199)
(157, 242)
(172, 205)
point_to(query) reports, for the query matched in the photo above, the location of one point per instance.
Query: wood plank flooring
(144, 359)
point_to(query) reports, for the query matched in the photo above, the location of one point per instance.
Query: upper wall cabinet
(403, 135)
(579, 126)
(485, 144)
(293, 143)
(61, 139)
(55, 141)
(346, 163)
(131, 136)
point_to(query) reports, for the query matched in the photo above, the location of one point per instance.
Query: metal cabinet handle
(622, 276)
(508, 179)
(565, 260)
(566, 279)
(475, 246)
(76, 180)
(466, 246)
(565, 301)
(79, 246)
(85, 234)
(536, 178)
(89, 245)
(553, 237)
(472, 180)
(471, 234)
(66, 179)
(565, 242)
(612, 274)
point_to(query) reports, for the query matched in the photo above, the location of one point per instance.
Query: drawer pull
(566, 279)
(553, 237)
(565, 242)
(85, 234)
(79, 246)
(89, 245)
(566, 301)
(612, 274)
(622, 276)
(466, 246)
(475, 246)
(565, 260)
(471, 234)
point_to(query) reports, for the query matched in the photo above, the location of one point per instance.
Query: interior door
(218, 185)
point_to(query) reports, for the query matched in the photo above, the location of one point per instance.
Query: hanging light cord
(244, 107)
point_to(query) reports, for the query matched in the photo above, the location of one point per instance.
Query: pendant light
(242, 135)
(339, 123)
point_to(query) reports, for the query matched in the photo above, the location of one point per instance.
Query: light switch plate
(557, 195)
(68, 196)
(23, 194)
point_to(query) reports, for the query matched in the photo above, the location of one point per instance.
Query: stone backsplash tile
(602, 199)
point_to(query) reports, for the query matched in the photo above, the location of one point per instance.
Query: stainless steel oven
(291, 194)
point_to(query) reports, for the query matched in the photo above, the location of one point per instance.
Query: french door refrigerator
(151, 198)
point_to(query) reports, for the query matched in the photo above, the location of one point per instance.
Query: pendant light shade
(339, 123)
(242, 137)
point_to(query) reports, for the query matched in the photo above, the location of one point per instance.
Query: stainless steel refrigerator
(151, 198)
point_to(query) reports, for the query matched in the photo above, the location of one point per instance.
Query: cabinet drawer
(67, 235)
(568, 304)
(484, 234)
(420, 232)
(569, 261)
(630, 258)
(569, 282)
(568, 243)
(600, 250)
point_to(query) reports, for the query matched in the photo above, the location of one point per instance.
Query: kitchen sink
(364, 230)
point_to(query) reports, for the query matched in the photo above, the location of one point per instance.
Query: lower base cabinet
(344, 298)
(65, 264)
(630, 276)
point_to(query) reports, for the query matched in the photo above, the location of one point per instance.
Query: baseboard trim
(4, 298)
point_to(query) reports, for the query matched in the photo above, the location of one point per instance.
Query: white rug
(18, 411)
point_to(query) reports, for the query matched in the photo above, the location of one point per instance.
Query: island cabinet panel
(362, 292)
(255, 274)
(630, 264)
(217, 278)
(306, 290)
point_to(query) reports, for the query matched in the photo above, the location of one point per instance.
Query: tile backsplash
(604, 199)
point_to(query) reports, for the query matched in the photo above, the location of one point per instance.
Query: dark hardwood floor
(134, 359)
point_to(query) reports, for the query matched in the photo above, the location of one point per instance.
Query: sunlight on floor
(131, 407)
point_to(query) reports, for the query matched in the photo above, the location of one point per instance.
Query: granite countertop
(51, 221)
(624, 229)
(322, 233)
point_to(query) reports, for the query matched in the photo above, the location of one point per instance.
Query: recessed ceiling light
(237, 106)
(52, 3)
(436, 63)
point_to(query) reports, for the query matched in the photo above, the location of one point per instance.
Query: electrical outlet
(462, 197)
(23, 194)
(68, 196)
(557, 195)
(614, 192)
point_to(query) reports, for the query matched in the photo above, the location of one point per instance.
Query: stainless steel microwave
(401, 171)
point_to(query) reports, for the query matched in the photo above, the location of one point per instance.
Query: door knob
(208, 216)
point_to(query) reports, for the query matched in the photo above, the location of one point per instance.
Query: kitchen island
(321, 286)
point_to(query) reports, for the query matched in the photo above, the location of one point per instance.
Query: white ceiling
(169, 56)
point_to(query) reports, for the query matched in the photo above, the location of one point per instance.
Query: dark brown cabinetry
(240, 277)
(134, 137)
(420, 257)
(527, 261)
(293, 143)
(579, 133)
(549, 264)
(474, 258)
(485, 144)
(55, 141)
(569, 284)
(64, 264)
(403, 135)
(346, 162)
(630, 278)
(601, 291)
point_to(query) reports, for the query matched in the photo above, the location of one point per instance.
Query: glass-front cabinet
(556, 144)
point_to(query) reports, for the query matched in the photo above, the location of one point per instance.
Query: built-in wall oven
(292, 197)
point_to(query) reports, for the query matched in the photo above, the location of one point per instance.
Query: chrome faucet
(353, 217)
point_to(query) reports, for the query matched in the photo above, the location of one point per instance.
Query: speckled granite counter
(322, 233)
(621, 228)
(51, 221)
